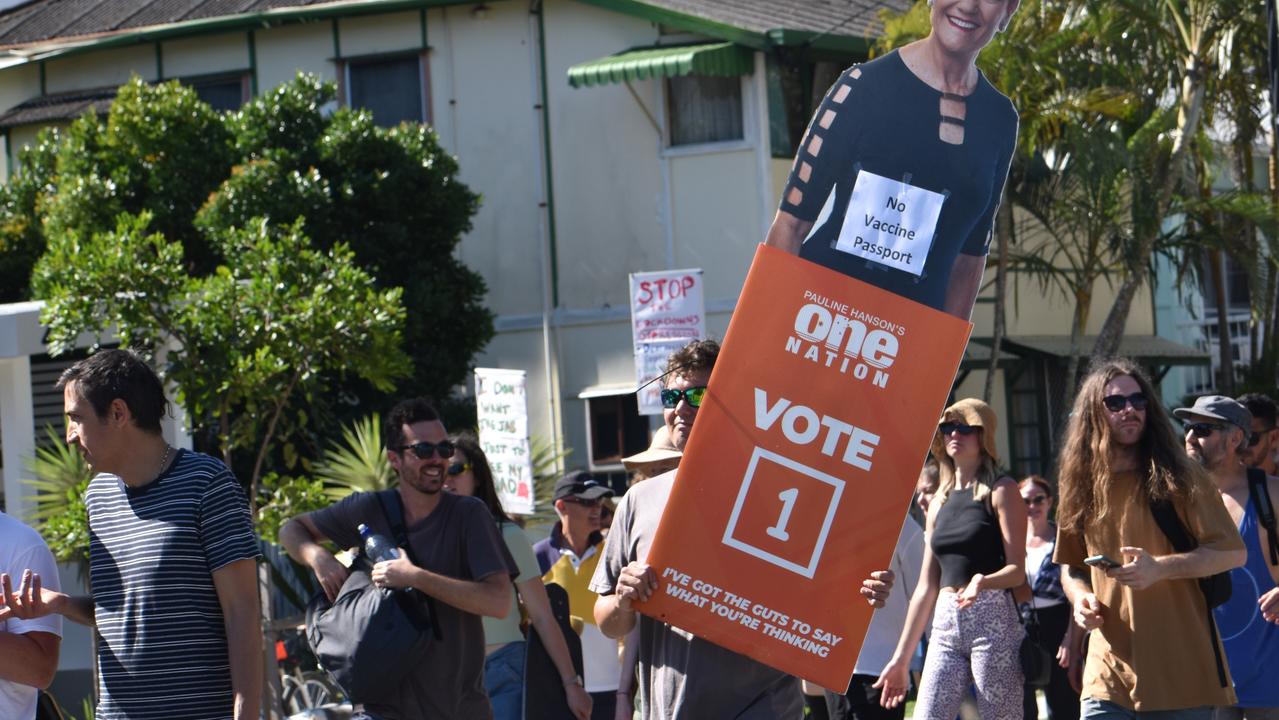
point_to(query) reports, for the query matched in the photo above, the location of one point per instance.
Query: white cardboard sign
(501, 404)
(890, 222)
(668, 310)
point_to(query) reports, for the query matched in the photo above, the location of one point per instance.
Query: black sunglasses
(1203, 429)
(947, 428)
(694, 395)
(458, 468)
(424, 450)
(1116, 403)
(1255, 438)
(593, 502)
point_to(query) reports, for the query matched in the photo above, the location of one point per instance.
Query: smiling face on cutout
(964, 27)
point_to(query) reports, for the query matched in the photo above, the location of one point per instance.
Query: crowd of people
(1116, 584)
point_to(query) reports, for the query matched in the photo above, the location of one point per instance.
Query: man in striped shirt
(172, 558)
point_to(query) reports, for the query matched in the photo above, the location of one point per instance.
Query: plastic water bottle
(377, 547)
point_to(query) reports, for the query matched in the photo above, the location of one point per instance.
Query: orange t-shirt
(1153, 651)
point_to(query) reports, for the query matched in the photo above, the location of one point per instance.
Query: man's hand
(1269, 604)
(329, 572)
(1139, 571)
(1088, 612)
(877, 587)
(397, 573)
(636, 582)
(30, 601)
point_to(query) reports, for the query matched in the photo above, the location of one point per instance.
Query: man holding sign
(681, 675)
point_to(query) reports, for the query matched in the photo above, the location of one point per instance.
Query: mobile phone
(1100, 561)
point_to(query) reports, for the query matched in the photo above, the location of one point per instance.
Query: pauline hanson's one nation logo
(834, 335)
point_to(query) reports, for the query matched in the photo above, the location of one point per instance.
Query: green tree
(241, 344)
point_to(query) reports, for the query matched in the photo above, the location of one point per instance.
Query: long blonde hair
(987, 475)
(1084, 470)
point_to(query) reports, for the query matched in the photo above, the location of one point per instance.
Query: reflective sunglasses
(694, 395)
(1255, 438)
(424, 450)
(459, 468)
(947, 428)
(1116, 403)
(1203, 429)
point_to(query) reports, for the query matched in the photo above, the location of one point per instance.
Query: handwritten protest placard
(501, 403)
(667, 310)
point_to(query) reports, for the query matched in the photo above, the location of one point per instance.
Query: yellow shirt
(1153, 649)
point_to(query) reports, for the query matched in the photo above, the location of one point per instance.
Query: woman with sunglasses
(1060, 636)
(976, 550)
(469, 474)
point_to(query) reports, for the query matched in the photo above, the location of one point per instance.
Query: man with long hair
(1154, 649)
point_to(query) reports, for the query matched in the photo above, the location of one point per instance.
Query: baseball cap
(1218, 407)
(580, 484)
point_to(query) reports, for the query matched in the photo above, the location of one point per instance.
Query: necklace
(164, 461)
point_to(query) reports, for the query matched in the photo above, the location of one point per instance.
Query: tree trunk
(1190, 108)
(1003, 235)
(1226, 380)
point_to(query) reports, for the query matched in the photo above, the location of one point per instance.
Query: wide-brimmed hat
(1219, 407)
(970, 411)
(659, 450)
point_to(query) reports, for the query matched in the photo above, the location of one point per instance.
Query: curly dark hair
(406, 412)
(697, 356)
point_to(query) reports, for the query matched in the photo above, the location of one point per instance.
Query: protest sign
(501, 404)
(797, 479)
(667, 310)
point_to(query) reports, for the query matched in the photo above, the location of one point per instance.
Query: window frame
(750, 129)
(343, 70)
(244, 77)
(614, 394)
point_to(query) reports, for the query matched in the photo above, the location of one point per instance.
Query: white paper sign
(668, 310)
(890, 222)
(501, 403)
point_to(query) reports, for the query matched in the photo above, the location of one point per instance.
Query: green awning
(722, 58)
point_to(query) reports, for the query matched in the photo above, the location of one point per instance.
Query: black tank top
(966, 539)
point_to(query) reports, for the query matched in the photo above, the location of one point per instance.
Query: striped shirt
(152, 554)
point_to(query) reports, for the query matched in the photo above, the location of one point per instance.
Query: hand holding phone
(1100, 561)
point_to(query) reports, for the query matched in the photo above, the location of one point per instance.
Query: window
(392, 88)
(704, 109)
(614, 428)
(223, 93)
(1028, 421)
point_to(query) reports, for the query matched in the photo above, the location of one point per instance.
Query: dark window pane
(224, 94)
(704, 109)
(390, 88)
(617, 429)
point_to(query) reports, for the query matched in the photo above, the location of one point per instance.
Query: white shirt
(887, 622)
(22, 548)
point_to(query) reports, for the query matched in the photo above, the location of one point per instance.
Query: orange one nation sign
(819, 413)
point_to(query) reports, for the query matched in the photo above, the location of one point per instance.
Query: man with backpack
(1139, 525)
(453, 556)
(1219, 429)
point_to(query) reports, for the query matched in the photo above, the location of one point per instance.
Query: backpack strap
(1166, 517)
(393, 511)
(1259, 493)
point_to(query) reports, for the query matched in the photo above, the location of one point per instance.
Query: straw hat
(970, 411)
(660, 449)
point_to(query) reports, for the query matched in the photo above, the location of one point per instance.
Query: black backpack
(370, 638)
(1216, 589)
(1259, 493)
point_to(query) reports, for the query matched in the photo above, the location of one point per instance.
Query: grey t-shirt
(683, 676)
(459, 540)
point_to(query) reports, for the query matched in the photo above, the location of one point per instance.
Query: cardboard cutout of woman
(899, 175)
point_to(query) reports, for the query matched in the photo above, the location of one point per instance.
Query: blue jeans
(504, 681)
(1093, 709)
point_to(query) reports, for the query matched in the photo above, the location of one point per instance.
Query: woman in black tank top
(974, 556)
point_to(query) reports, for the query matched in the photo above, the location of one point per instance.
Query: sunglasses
(459, 468)
(1255, 438)
(947, 428)
(1116, 403)
(1036, 500)
(1203, 429)
(424, 450)
(694, 395)
(594, 502)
